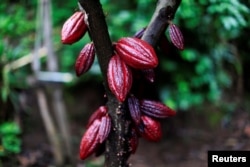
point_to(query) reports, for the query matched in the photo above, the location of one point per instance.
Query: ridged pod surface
(104, 128)
(176, 36)
(151, 129)
(74, 28)
(136, 53)
(156, 109)
(90, 140)
(98, 114)
(85, 59)
(134, 108)
(119, 78)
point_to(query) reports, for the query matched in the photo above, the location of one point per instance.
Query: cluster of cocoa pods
(130, 54)
(98, 129)
(145, 115)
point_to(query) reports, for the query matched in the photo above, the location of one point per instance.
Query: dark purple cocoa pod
(156, 109)
(134, 108)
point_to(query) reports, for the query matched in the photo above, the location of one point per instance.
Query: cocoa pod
(136, 53)
(134, 108)
(90, 140)
(104, 129)
(119, 78)
(98, 114)
(152, 129)
(74, 28)
(133, 141)
(156, 109)
(176, 36)
(149, 75)
(85, 59)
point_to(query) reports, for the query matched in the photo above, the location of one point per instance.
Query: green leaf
(9, 128)
(11, 144)
(189, 54)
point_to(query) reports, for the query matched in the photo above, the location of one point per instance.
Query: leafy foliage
(201, 72)
(10, 142)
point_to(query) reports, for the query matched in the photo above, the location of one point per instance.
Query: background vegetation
(213, 68)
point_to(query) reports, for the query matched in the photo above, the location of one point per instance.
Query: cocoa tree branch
(117, 151)
(99, 33)
(117, 144)
(164, 11)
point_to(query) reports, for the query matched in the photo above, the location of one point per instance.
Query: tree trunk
(117, 144)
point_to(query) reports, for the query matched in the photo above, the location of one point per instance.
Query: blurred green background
(213, 67)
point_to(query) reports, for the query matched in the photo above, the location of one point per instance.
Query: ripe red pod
(90, 140)
(104, 129)
(156, 109)
(134, 108)
(119, 77)
(136, 53)
(151, 129)
(98, 114)
(74, 28)
(176, 36)
(85, 59)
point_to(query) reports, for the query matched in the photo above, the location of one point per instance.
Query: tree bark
(164, 11)
(117, 144)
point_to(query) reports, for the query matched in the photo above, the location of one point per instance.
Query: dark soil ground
(186, 140)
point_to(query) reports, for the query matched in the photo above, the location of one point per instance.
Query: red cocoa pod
(134, 108)
(176, 36)
(85, 59)
(136, 53)
(156, 109)
(140, 33)
(74, 28)
(119, 78)
(133, 141)
(90, 140)
(152, 129)
(104, 128)
(149, 74)
(98, 114)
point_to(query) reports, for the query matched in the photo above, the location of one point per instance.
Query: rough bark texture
(117, 150)
(164, 11)
(116, 145)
